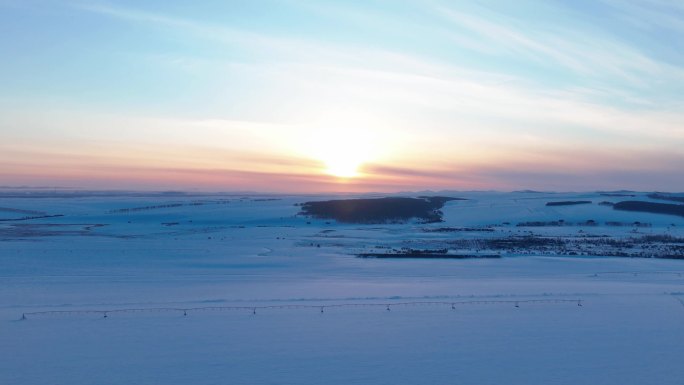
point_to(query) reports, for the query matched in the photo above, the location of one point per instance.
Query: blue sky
(333, 96)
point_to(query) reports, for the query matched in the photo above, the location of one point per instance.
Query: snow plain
(236, 253)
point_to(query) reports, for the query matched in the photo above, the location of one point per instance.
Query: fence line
(253, 309)
(637, 273)
(677, 297)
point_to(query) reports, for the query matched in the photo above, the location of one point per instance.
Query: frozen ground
(228, 252)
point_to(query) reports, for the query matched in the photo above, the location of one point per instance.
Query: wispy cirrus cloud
(651, 14)
(585, 52)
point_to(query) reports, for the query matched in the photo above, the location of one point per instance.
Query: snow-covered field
(220, 259)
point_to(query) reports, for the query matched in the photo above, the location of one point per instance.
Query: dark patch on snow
(378, 210)
(429, 256)
(568, 203)
(650, 207)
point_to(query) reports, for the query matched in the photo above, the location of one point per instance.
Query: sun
(342, 151)
(342, 166)
(343, 155)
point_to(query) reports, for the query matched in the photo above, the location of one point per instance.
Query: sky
(336, 96)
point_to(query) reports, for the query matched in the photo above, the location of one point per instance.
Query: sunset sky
(315, 96)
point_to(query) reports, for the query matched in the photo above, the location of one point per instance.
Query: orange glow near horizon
(305, 159)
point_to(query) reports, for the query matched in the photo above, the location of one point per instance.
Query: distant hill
(667, 197)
